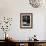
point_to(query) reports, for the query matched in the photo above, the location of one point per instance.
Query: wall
(13, 8)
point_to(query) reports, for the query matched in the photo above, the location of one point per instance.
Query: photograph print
(26, 20)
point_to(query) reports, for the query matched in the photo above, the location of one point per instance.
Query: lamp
(36, 3)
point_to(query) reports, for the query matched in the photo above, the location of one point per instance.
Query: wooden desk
(27, 42)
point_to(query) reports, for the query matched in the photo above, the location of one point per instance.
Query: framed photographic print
(26, 20)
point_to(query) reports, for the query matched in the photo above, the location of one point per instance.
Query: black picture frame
(26, 20)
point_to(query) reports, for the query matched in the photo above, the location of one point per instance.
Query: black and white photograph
(26, 20)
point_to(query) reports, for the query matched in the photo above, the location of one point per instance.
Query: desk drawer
(42, 44)
(21, 44)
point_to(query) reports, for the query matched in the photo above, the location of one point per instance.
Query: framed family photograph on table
(26, 20)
